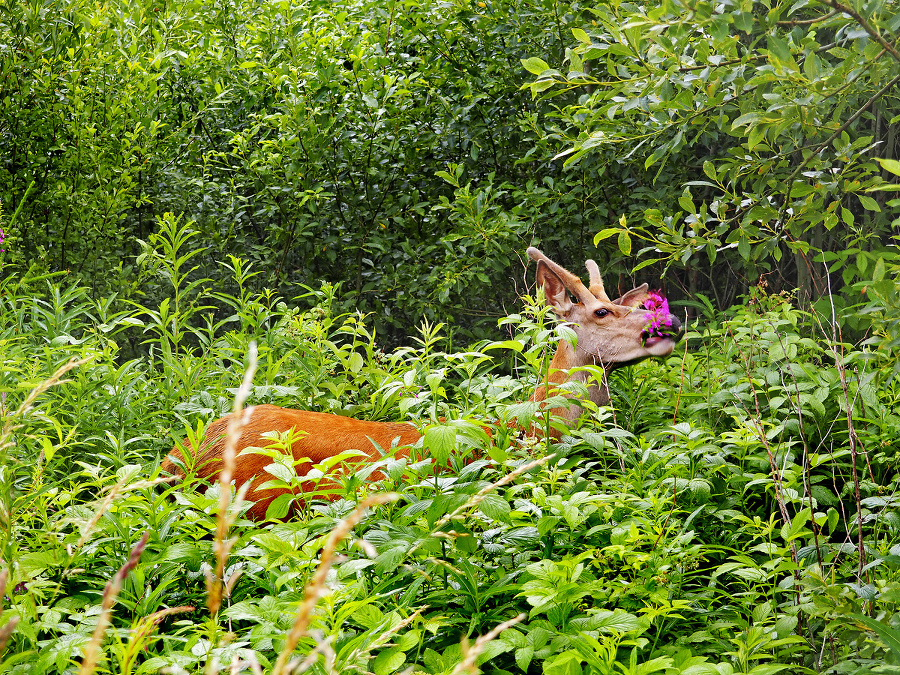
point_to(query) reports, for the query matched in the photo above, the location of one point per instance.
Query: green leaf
(878, 271)
(278, 508)
(768, 669)
(890, 636)
(797, 526)
(891, 165)
(495, 507)
(868, 203)
(515, 345)
(388, 661)
(780, 54)
(440, 439)
(535, 65)
(605, 234)
(389, 560)
(355, 362)
(613, 621)
(625, 242)
(567, 663)
(581, 36)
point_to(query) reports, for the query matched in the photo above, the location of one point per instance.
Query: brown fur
(327, 435)
(608, 341)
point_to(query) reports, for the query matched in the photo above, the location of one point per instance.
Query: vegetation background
(338, 194)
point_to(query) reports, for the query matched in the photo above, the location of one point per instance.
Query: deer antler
(574, 284)
(596, 286)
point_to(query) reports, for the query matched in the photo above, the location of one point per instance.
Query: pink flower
(659, 315)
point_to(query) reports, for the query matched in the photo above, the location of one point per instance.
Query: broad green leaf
(797, 527)
(780, 54)
(355, 362)
(515, 345)
(891, 165)
(581, 36)
(605, 234)
(495, 507)
(278, 507)
(388, 661)
(535, 65)
(868, 203)
(440, 439)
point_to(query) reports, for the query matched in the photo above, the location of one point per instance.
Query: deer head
(610, 333)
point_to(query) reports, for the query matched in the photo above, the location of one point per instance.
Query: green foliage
(749, 131)
(733, 513)
(308, 139)
(183, 181)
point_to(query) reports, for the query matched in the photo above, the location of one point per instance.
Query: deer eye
(600, 313)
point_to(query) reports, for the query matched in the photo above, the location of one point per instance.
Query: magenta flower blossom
(2, 237)
(659, 316)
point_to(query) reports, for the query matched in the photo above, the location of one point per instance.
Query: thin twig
(866, 26)
(838, 342)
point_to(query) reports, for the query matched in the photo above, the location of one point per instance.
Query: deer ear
(635, 297)
(554, 289)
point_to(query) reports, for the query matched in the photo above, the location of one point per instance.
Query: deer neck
(566, 359)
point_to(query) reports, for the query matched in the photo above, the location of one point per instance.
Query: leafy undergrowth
(727, 515)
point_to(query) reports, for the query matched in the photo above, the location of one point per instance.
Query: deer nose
(676, 327)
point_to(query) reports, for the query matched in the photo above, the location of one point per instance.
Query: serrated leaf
(440, 439)
(281, 471)
(388, 661)
(495, 507)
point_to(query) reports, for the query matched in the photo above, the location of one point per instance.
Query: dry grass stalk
(98, 514)
(315, 589)
(479, 496)
(467, 665)
(382, 639)
(9, 426)
(251, 662)
(110, 593)
(6, 630)
(142, 630)
(224, 520)
(322, 647)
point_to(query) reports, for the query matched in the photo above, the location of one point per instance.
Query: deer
(609, 334)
